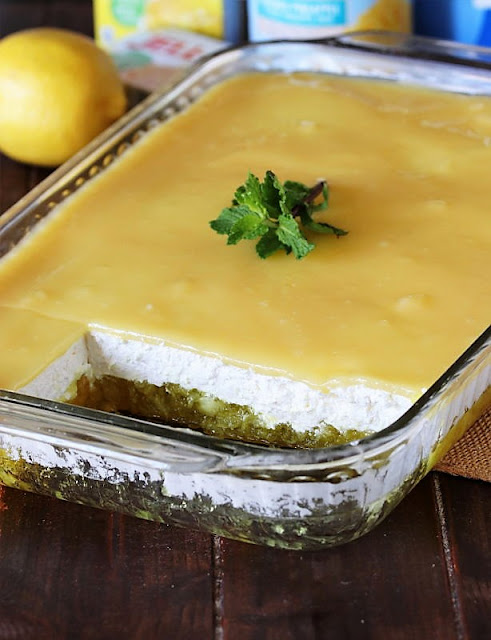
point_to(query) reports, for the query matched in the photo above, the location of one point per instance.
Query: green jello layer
(173, 404)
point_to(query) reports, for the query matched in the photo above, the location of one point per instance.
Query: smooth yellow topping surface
(29, 341)
(393, 303)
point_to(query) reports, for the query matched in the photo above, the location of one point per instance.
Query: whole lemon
(57, 91)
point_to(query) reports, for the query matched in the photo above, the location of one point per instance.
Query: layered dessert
(125, 299)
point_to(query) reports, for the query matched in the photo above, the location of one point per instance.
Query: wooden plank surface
(390, 584)
(465, 518)
(70, 572)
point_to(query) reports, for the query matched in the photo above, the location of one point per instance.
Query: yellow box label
(115, 19)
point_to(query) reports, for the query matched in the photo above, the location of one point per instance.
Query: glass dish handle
(23, 418)
(393, 43)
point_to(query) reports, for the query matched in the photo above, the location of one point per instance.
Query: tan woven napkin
(471, 455)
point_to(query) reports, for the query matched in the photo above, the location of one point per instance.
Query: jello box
(150, 59)
(466, 21)
(117, 19)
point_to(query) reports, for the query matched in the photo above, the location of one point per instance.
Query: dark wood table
(69, 572)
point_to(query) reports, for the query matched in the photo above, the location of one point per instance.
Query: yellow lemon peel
(58, 90)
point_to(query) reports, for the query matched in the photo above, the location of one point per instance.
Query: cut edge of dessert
(153, 380)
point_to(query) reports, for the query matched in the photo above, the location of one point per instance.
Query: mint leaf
(247, 227)
(271, 193)
(268, 244)
(323, 204)
(290, 234)
(322, 227)
(250, 195)
(296, 192)
(227, 218)
(277, 213)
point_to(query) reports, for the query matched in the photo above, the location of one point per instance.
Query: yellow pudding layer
(393, 303)
(30, 341)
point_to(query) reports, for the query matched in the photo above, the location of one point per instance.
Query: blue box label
(309, 13)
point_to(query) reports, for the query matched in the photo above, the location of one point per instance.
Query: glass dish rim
(334, 454)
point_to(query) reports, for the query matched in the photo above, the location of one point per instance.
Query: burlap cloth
(471, 455)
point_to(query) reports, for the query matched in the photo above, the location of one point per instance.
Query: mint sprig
(276, 213)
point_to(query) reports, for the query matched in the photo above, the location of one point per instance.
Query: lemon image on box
(392, 15)
(319, 18)
(58, 90)
(116, 19)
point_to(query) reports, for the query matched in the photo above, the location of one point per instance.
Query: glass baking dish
(297, 499)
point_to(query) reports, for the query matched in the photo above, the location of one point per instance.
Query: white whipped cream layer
(275, 398)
